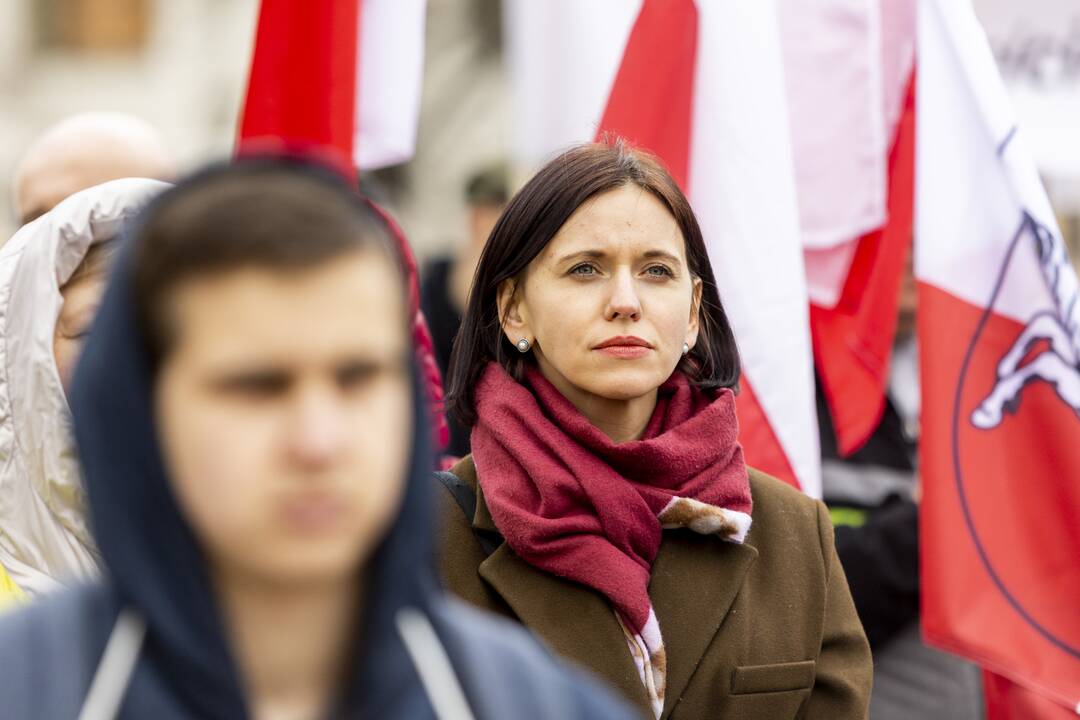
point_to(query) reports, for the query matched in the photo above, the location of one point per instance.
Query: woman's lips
(625, 351)
(625, 346)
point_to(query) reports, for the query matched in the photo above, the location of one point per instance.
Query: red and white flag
(999, 334)
(341, 80)
(702, 86)
(850, 67)
(853, 339)
(345, 74)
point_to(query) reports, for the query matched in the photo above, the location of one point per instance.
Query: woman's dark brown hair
(528, 224)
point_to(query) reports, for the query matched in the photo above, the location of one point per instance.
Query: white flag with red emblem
(999, 334)
(702, 86)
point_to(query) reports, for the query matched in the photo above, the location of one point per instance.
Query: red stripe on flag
(302, 87)
(1006, 700)
(651, 101)
(853, 341)
(761, 447)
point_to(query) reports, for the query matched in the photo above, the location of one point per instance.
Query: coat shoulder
(772, 496)
(453, 520)
(785, 516)
(765, 485)
(465, 469)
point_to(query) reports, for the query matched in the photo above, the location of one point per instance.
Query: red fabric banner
(999, 530)
(302, 86)
(652, 99)
(1008, 701)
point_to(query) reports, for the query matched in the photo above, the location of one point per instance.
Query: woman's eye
(658, 271)
(584, 269)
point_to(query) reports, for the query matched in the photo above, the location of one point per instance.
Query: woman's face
(609, 303)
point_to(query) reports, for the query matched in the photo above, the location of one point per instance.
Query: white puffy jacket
(44, 538)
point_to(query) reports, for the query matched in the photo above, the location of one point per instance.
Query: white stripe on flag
(964, 228)
(743, 190)
(562, 57)
(389, 81)
(833, 70)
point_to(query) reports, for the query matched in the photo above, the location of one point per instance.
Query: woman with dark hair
(606, 504)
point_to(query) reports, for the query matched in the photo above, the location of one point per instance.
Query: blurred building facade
(182, 65)
(179, 64)
(1037, 47)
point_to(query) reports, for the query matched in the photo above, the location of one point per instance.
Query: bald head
(83, 151)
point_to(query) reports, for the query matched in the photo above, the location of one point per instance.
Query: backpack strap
(465, 497)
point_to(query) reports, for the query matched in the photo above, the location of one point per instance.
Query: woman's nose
(623, 301)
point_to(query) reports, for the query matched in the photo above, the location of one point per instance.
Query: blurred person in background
(446, 280)
(873, 499)
(52, 275)
(255, 450)
(606, 504)
(86, 150)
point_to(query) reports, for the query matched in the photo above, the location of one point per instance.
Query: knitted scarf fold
(571, 502)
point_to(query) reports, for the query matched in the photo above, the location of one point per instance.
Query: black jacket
(881, 555)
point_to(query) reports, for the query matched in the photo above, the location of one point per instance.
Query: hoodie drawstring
(117, 665)
(433, 665)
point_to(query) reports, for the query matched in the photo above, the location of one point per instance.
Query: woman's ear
(694, 325)
(512, 314)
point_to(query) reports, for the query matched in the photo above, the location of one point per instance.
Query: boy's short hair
(266, 212)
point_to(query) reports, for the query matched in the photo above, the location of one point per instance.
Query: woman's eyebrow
(600, 255)
(582, 255)
(662, 255)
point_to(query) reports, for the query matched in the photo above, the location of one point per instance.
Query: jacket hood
(44, 538)
(152, 556)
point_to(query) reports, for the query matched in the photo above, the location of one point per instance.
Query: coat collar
(694, 582)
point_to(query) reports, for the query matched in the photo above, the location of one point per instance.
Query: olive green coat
(765, 629)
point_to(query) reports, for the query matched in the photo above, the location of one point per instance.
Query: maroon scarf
(571, 502)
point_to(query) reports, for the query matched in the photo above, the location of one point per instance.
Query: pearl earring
(685, 348)
(523, 345)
